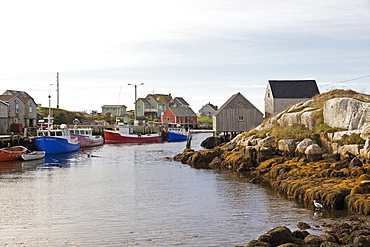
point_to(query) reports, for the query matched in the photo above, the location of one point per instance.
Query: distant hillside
(63, 116)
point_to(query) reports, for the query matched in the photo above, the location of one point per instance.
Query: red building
(179, 115)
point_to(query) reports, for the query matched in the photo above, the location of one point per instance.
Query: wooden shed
(237, 114)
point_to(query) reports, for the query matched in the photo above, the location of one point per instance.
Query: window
(168, 118)
(241, 118)
(16, 107)
(31, 109)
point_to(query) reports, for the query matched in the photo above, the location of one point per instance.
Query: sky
(201, 50)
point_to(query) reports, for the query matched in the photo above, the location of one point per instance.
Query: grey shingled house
(237, 114)
(280, 94)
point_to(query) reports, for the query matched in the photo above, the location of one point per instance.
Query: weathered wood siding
(4, 109)
(228, 120)
(237, 115)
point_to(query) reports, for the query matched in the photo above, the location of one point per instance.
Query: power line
(353, 79)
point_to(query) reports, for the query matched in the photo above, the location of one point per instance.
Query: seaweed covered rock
(213, 141)
(184, 156)
(202, 158)
(277, 236)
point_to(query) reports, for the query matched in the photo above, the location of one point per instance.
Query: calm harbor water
(130, 195)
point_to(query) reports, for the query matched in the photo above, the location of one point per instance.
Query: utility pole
(57, 90)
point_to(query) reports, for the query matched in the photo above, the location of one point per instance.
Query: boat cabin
(125, 129)
(83, 132)
(56, 132)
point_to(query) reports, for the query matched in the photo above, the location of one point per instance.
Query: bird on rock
(317, 205)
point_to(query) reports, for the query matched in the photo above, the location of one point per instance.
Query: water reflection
(124, 195)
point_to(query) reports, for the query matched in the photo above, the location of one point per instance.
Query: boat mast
(49, 118)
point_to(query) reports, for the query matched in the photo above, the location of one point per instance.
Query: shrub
(351, 139)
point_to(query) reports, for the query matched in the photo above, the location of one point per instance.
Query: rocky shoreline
(353, 231)
(337, 183)
(315, 150)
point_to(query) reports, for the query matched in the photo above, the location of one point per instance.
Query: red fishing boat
(124, 133)
(12, 153)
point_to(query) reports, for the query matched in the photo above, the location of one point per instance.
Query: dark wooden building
(237, 114)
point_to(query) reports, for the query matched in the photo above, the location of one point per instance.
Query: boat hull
(12, 153)
(35, 155)
(55, 145)
(175, 137)
(115, 137)
(86, 141)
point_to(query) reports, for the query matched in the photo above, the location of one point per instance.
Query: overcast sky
(201, 50)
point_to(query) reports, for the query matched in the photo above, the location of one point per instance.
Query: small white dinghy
(34, 155)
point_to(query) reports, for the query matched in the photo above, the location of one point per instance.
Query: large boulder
(350, 150)
(346, 113)
(277, 236)
(302, 146)
(202, 158)
(365, 131)
(308, 119)
(313, 152)
(287, 146)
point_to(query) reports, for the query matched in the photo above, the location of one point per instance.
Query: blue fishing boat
(177, 134)
(56, 141)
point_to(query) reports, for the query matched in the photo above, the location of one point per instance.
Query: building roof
(161, 98)
(7, 98)
(21, 94)
(236, 101)
(143, 100)
(212, 106)
(25, 97)
(110, 106)
(182, 112)
(182, 101)
(289, 89)
(2, 102)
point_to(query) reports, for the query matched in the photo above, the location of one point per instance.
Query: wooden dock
(6, 140)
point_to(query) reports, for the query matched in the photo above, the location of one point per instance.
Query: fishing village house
(179, 115)
(236, 115)
(114, 110)
(280, 94)
(4, 111)
(18, 110)
(153, 106)
(118, 111)
(207, 110)
(30, 108)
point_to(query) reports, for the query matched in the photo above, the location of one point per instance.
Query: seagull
(317, 205)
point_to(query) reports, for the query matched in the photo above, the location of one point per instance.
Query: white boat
(34, 155)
